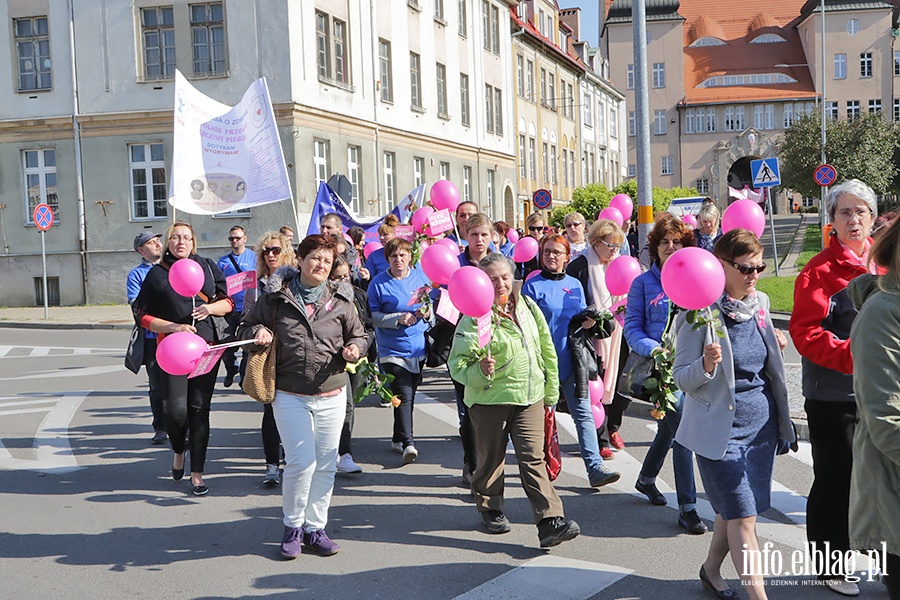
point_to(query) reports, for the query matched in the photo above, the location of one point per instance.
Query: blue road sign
(43, 216)
(765, 172)
(542, 199)
(825, 175)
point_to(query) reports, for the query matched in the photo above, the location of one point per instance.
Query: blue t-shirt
(559, 301)
(133, 286)
(376, 263)
(246, 260)
(390, 295)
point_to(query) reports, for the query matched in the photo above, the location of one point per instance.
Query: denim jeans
(310, 427)
(682, 458)
(580, 409)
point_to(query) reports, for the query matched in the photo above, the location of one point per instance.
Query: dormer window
(708, 41)
(768, 38)
(737, 80)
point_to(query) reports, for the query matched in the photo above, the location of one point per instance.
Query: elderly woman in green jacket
(874, 343)
(507, 385)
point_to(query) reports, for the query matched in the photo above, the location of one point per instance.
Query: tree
(591, 199)
(860, 149)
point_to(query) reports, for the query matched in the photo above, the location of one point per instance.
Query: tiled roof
(619, 11)
(569, 54)
(811, 6)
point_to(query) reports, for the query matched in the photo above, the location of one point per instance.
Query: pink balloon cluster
(444, 195)
(595, 392)
(622, 203)
(186, 277)
(693, 278)
(471, 291)
(744, 214)
(447, 243)
(439, 263)
(620, 273)
(178, 353)
(420, 218)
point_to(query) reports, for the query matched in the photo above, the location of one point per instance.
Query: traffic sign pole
(772, 227)
(43, 220)
(44, 264)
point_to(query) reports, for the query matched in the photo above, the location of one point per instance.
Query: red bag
(552, 455)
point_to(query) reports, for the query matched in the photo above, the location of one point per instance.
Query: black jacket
(581, 345)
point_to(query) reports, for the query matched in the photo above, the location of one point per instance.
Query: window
(659, 122)
(545, 154)
(714, 41)
(629, 77)
(486, 23)
(439, 10)
(865, 64)
(668, 165)
(770, 116)
(498, 111)
(788, 113)
(831, 109)
(490, 22)
(158, 32)
(739, 118)
(445, 170)
(710, 119)
(320, 160)
(729, 118)
(149, 194)
(520, 74)
(572, 167)
(384, 60)
(33, 55)
(758, 117)
(461, 17)
(464, 98)
(489, 108)
(543, 86)
(495, 29)
(614, 122)
(874, 106)
(531, 159)
(601, 118)
(490, 190)
(702, 186)
(40, 181)
(208, 38)
(852, 109)
(896, 62)
(551, 90)
(632, 170)
(896, 109)
(415, 81)
(339, 39)
(565, 171)
(659, 75)
(632, 124)
(441, 81)
(571, 103)
(389, 196)
(323, 58)
(754, 79)
(840, 66)
(553, 177)
(353, 162)
(768, 38)
(852, 26)
(467, 184)
(418, 171)
(529, 83)
(689, 121)
(523, 173)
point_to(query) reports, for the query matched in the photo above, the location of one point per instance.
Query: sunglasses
(747, 270)
(541, 228)
(235, 238)
(274, 250)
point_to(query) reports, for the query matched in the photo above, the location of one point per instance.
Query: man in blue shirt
(240, 259)
(149, 246)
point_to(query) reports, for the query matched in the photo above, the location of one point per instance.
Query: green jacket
(525, 368)
(875, 480)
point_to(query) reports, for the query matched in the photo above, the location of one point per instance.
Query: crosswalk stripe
(24, 411)
(25, 402)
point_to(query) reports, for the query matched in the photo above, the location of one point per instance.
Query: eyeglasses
(344, 277)
(610, 246)
(549, 252)
(274, 250)
(538, 228)
(747, 270)
(235, 238)
(573, 224)
(848, 214)
(182, 238)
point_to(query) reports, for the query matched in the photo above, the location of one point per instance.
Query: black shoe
(177, 474)
(691, 521)
(495, 521)
(229, 380)
(653, 494)
(556, 530)
(726, 594)
(159, 438)
(200, 490)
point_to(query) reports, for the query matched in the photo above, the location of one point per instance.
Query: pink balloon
(444, 195)
(348, 238)
(439, 263)
(512, 235)
(623, 203)
(612, 214)
(423, 246)
(693, 278)
(620, 273)
(178, 353)
(599, 414)
(471, 291)
(448, 243)
(744, 214)
(525, 249)
(689, 220)
(532, 274)
(420, 218)
(371, 247)
(186, 277)
(595, 391)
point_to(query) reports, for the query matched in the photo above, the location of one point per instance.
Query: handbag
(259, 379)
(438, 340)
(552, 455)
(134, 355)
(638, 369)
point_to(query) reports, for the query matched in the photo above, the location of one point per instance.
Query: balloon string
(193, 308)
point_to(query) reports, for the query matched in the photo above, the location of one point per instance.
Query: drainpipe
(79, 171)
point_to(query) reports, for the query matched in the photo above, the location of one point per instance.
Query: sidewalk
(116, 316)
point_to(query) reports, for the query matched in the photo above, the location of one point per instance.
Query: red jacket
(821, 320)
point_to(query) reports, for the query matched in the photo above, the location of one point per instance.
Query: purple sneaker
(319, 542)
(290, 543)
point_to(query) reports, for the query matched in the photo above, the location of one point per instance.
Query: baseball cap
(144, 237)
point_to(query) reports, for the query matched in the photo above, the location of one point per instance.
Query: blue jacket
(559, 301)
(133, 286)
(246, 260)
(648, 310)
(390, 296)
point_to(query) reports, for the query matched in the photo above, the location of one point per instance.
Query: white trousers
(310, 429)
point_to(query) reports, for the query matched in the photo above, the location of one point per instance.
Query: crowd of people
(326, 304)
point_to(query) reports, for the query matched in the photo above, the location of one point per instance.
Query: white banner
(225, 158)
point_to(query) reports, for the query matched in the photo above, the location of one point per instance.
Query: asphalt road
(89, 508)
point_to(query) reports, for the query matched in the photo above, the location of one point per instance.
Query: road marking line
(4, 350)
(55, 374)
(549, 577)
(25, 402)
(40, 351)
(7, 413)
(53, 453)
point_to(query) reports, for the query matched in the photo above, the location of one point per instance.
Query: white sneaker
(273, 475)
(397, 447)
(410, 454)
(345, 464)
(843, 587)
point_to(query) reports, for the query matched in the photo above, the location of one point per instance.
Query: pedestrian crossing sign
(765, 172)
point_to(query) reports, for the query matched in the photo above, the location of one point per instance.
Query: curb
(66, 326)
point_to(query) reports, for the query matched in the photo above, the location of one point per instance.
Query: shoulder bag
(259, 379)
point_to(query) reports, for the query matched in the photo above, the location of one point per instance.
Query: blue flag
(327, 201)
